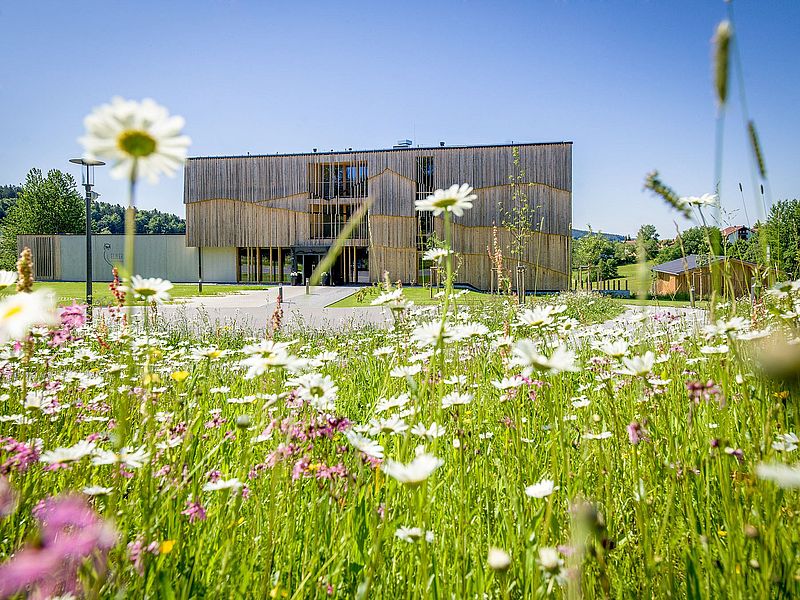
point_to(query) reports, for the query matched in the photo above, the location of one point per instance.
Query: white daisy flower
(7, 278)
(639, 365)
(385, 404)
(222, 484)
(552, 565)
(781, 475)
(393, 299)
(542, 489)
(700, 201)
(455, 398)
(96, 490)
(526, 355)
(139, 138)
(23, 311)
(406, 370)
(415, 472)
(436, 254)
(721, 349)
(455, 199)
(786, 442)
(69, 454)
(134, 458)
(150, 289)
(267, 355)
(507, 383)
(603, 435)
(430, 433)
(413, 534)
(364, 444)
(539, 316)
(468, 330)
(615, 349)
(318, 390)
(392, 424)
(430, 333)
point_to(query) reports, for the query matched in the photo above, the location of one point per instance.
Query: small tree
(648, 239)
(782, 231)
(518, 219)
(597, 253)
(45, 205)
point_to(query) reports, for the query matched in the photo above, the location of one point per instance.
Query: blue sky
(628, 82)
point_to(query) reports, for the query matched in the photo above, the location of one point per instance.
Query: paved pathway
(253, 309)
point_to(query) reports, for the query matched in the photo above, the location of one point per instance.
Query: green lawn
(419, 295)
(659, 302)
(69, 291)
(627, 277)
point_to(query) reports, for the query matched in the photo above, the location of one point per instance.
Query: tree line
(774, 243)
(48, 204)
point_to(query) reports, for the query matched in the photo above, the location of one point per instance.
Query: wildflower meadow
(556, 446)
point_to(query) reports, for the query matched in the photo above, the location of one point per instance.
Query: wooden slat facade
(46, 254)
(264, 201)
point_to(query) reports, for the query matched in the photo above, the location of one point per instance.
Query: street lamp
(88, 182)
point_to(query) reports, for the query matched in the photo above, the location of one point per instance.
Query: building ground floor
(293, 264)
(63, 258)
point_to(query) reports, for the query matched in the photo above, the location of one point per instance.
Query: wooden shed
(676, 276)
(282, 212)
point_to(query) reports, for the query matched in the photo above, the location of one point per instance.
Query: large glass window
(264, 265)
(337, 180)
(247, 265)
(327, 220)
(425, 188)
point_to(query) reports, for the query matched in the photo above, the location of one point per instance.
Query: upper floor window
(337, 180)
(425, 174)
(425, 188)
(328, 220)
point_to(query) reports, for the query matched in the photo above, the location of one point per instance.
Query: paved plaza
(253, 309)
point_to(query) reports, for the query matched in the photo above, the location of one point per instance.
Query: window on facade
(265, 265)
(327, 220)
(337, 180)
(425, 188)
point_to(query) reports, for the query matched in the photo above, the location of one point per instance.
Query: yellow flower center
(13, 311)
(136, 143)
(445, 202)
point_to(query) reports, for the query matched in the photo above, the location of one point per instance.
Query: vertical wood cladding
(264, 201)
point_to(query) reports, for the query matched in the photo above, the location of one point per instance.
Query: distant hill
(614, 237)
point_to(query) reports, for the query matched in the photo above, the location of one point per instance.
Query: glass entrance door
(306, 263)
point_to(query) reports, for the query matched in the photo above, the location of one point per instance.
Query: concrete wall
(165, 256)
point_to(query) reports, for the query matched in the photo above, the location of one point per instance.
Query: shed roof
(692, 262)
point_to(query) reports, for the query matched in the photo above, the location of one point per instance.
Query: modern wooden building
(279, 214)
(676, 276)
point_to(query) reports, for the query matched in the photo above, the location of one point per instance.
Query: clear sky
(628, 82)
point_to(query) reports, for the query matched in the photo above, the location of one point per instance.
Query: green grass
(419, 295)
(678, 513)
(583, 307)
(627, 277)
(660, 302)
(71, 291)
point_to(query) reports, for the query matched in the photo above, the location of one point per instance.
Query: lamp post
(88, 182)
